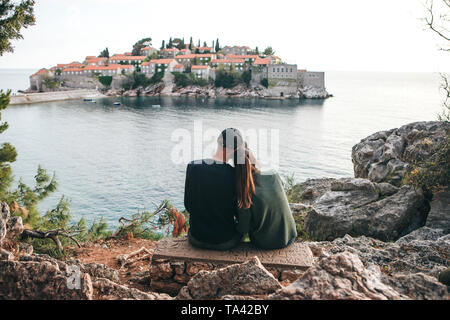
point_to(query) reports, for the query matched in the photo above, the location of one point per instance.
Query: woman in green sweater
(263, 209)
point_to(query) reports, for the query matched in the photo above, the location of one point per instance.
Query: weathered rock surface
(25, 279)
(10, 227)
(384, 156)
(340, 276)
(32, 280)
(417, 286)
(361, 207)
(249, 278)
(439, 215)
(422, 251)
(106, 289)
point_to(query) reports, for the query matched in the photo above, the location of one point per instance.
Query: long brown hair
(244, 165)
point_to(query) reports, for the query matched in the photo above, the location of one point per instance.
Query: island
(179, 69)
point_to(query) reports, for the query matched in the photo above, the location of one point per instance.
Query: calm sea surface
(111, 161)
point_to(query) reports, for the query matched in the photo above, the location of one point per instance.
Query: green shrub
(105, 80)
(434, 174)
(265, 82)
(227, 79)
(246, 77)
(188, 79)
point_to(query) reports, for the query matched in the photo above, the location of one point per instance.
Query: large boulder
(43, 277)
(32, 280)
(385, 156)
(424, 251)
(341, 276)
(106, 289)
(439, 215)
(10, 227)
(249, 278)
(361, 207)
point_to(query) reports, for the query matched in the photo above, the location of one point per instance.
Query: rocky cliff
(372, 238)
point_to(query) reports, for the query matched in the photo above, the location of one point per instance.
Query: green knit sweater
(269, 221)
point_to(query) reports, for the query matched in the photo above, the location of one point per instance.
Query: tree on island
(137, 47)
(438, 23)
(269, 51)
(104, 53)
(191, 44)
(217, 48)
(170, 44)
(163, 45)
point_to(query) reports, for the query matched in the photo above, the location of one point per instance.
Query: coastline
(41, 97)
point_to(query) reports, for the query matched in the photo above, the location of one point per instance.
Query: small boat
(87, 99)
(156, 106)
(116, 103)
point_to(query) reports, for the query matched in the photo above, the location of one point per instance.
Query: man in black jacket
(210, 199)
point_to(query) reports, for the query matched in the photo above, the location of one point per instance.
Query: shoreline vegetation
(26, 98)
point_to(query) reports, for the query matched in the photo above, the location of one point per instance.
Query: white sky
(359, 35)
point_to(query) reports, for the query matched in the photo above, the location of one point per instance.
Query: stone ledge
(296, 256)
(175, 262)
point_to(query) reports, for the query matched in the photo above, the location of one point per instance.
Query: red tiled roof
(242, 56)
(170, 49)
(95, 59)
(199, 67)
(72, 69)
(204, 48)
(178, 66)
(41, 71)
(261, 61)
(227, 61)
(162, 61)
(205, 55)
(125, 57)
(186, 56)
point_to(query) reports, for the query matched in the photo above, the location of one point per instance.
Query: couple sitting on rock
(227, 202)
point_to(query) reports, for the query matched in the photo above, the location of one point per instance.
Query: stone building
(148, 51)
(204, 72)
(282, 71)
(313, 79)
(158, 65)
(168, 53)
(237, 50)
(95, 61)
(229, 64)
(37, 78)
(125, 59)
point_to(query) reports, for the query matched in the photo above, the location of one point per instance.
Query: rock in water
(360, 207)
(341, 276)
(384, 156)
(249, 278)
